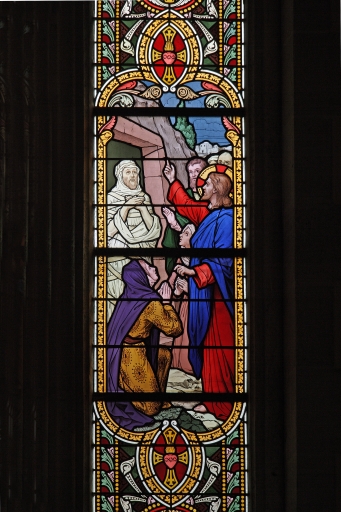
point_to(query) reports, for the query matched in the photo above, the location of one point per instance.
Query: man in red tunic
(211, 310)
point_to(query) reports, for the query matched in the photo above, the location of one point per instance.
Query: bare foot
(200, 408)
(166, 405)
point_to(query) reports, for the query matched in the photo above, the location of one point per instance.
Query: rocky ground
(182, 410)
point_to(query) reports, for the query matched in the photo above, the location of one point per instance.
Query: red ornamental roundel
(169, 55)
(170, 458)
(171, 466)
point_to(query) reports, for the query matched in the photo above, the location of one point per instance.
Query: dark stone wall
(294, 273)
(294, 214)
(311, 166)
(264, 118)
(44, 77)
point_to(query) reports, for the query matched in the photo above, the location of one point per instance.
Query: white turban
(120, 187)
(191, 227)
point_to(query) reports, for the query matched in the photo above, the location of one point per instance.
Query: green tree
(186, 128)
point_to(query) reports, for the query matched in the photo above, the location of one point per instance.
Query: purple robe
(135, 298)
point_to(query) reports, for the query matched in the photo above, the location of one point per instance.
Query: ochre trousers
(137, 375)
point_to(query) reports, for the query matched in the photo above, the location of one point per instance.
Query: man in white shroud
(131, 223)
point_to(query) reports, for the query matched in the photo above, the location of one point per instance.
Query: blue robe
(215, 231)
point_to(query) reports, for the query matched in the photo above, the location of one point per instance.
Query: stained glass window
(170, 421)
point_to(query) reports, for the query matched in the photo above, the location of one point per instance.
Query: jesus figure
(211, 311)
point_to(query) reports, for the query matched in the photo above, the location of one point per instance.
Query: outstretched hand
(184, 271)
(170, 217)
(169, 172)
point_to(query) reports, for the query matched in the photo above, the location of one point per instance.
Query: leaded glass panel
(169, 348)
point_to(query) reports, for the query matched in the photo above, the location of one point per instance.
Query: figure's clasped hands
(134, 202)
(181, 285)
(165, 291)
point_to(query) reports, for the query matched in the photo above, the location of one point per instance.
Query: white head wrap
(120, 187)
(191, 227)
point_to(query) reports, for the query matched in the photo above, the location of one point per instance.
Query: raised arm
(194, 211)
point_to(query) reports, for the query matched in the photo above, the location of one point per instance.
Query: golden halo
(204, 174)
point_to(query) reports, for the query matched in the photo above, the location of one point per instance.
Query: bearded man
(211, 291)
(131, 223)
